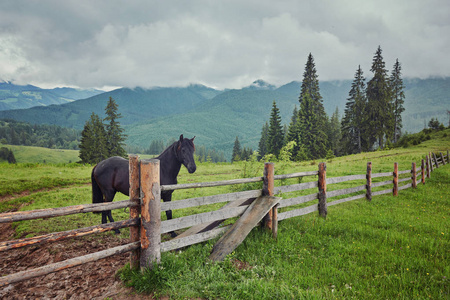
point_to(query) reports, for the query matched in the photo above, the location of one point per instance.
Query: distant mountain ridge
(14, 96)
(216, 117)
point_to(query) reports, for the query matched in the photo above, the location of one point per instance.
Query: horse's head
(185, 151)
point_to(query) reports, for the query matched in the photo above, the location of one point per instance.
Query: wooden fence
(146, 226)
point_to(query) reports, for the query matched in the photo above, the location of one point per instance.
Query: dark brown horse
(112, 174)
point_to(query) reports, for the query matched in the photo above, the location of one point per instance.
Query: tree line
(372, 117)
(14, 132)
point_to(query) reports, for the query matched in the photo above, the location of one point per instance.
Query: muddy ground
(96, 280)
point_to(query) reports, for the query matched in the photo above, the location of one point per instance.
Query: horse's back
(113, 172)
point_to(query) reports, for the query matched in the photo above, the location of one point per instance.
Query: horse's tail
(97, 195)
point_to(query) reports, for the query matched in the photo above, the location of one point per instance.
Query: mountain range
(216, 117)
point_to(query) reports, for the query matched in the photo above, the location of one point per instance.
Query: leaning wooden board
(242, 227)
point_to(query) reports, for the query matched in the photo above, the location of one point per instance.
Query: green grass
(392, 247)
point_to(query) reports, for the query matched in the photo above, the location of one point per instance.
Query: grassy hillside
(387, 248)
(28, 154)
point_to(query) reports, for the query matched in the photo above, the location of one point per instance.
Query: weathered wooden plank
(193, 239)
(322, 190)
(188, 221)
(173, 187)
(404, 172)
(295, 187)
(381, 183)
(150, 214)
(369, 181)
(298, 212)
(346, 199)
(406, 186)
(62, 211)
(214, 199)
(395, 181)
(297, 200)
(242, 227)
(404, 179)
(58, 236)
(345, 178)
(73, 262)
(345, 191)
(376, 175)
(296, 175)
(210, 225)
(381, 192)
(135, 211)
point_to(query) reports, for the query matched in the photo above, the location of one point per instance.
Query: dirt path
(95, 280)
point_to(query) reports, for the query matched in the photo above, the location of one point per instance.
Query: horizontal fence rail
(205, 226)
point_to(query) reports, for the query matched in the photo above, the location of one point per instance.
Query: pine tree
(235, 156)
(262, 146)
(93, 141)
(275, 137)
(380, 108)
(354, 120)
(114, 133)
(398, 97)
(313, 137)
(310, 90)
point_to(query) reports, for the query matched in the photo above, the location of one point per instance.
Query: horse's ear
(181, 138)
(192, 140)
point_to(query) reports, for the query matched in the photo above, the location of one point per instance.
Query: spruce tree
(262, 146)
(235, 156)
(380, 108)
(114, 133)
(334, 135)
(313, 137)
(93, 141)
(275, 137)
(398, 97)
(354, 120)
(310, 89)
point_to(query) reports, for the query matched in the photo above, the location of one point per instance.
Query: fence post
(134, 210)
(431, 163)
(369, 181)
(323, 190)
(268, 186)
(150, 214)
(413, 175)
(395, 189)
(423, 171)
(428, 166)
(442, 158)
(448, 157)
(435, 160)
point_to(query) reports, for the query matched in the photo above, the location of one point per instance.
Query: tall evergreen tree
(380, 111)
(275, 137)
(114, 133)
(262, 146)
(354, 120)
(235, 156)
(313, 137)
(93, 141)
(398, 97)
(310, 91)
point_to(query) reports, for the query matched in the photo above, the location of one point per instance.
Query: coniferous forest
(372, 118)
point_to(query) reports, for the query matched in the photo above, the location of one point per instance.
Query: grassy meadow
(391, 247)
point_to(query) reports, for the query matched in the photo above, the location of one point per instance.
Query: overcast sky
(222, 44)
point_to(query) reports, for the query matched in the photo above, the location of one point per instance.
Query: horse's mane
(169, 148)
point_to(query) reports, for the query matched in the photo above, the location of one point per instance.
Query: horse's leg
(109, 198)
(167, 197)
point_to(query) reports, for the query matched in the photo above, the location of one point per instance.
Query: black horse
(112, 175)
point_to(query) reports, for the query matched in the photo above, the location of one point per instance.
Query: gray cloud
(217, 43)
